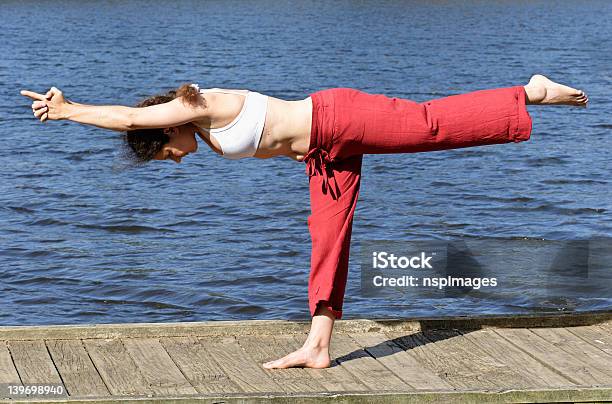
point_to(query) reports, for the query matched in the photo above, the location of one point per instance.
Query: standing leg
(330, 225)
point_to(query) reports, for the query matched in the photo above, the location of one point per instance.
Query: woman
(329, 131)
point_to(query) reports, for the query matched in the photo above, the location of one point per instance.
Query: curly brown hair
(144, 144)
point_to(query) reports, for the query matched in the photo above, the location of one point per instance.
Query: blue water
(85, 240)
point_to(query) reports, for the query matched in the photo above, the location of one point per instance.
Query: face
(182, 142)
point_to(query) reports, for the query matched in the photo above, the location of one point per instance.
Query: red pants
(346, 124)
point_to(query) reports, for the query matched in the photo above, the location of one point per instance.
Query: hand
(52, 105)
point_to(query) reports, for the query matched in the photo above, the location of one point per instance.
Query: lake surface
(86, 240)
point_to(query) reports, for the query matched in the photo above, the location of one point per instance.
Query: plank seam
(389, 369)
(149, 385)
(569, 378)
(457, 333)
(95, 367)
(12, 361)
(150, 391)
(353, 375)
(471, 339)
(216, 361)
(301, 371)
(415, 357)
(176, 364)
(588, 342)
(366, 351)
(561, 347)
(56, 369)
(8, 348)
(222, 367)
(276, 382)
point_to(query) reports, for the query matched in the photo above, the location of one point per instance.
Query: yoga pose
(329, 131)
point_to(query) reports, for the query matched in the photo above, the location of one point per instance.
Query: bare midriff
(286, 130)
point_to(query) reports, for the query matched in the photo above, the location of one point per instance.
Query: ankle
(534, 92)
(316, 344)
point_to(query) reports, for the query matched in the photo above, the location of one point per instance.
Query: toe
(271, 364)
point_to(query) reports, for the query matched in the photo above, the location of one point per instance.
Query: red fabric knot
(318, 162)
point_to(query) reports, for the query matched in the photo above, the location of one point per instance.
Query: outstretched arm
(54, 106)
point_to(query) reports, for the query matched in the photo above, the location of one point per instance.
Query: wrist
(67, 110)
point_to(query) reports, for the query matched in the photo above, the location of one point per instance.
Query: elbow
(129, 121)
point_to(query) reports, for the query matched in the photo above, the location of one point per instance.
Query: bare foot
(542, 91)
(305, 357)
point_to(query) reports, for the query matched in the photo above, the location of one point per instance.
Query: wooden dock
(502, 359)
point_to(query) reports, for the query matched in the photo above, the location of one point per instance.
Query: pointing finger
(32, 95)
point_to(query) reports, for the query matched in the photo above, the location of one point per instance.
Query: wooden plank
(33, 363)
(571, 367)
(579, 348)
(275, 327)
(335, 378)
(116, 367)
(459, 362)
(76, 369)
(400, 362)
(364, 367)
(203, 329)
(157, 368)
(239, 367)
(8, 372)
(265, 348)
(497, 347)
(594, 335)
(204, 374)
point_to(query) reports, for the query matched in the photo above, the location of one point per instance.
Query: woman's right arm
(54, 106)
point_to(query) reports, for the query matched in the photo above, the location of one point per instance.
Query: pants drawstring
(318, 162)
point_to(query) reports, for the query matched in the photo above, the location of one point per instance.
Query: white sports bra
(240, 138)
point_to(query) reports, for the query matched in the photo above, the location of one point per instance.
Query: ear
(171, 131)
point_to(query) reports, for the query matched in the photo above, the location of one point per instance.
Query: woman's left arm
(54, 106)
